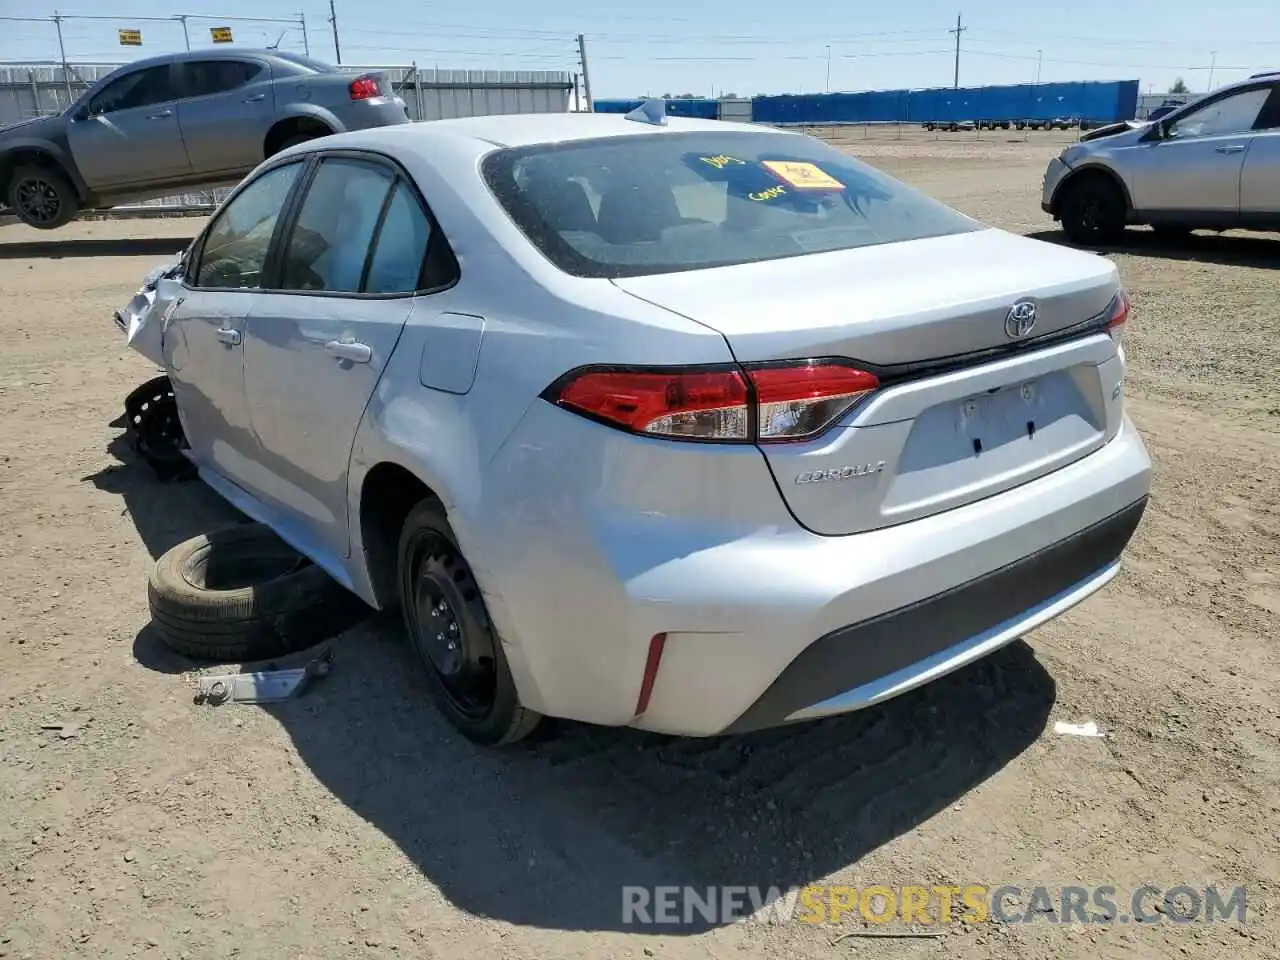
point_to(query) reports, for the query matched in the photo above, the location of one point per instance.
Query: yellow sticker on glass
(802, 176)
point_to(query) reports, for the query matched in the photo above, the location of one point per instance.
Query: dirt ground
(352, 823)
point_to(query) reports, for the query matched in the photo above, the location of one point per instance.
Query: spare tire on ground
(242, 593)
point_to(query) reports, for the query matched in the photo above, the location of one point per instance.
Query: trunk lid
(965, 411)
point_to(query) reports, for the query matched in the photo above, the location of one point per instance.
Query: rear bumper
(766, 622)
(862, 664)
(379, 112)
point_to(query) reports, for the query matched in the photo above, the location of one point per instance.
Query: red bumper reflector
(650, 672)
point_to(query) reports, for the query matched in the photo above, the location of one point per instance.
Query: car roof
(202, 54)
(528, 129)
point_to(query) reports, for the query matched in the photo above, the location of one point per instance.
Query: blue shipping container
(703, 109)
(1097, 101)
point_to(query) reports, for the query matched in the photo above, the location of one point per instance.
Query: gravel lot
(353, 823)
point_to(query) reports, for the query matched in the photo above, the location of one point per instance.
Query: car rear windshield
(662, 203)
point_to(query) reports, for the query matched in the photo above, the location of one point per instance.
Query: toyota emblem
(1020, 320)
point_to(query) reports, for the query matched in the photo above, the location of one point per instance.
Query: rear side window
(205, 77)
(401, 246)
(235, 247)
(330, 241)
(661, 203)
(1269, 119)
(140, 89)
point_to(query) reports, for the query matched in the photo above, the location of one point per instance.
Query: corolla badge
(1020, 320)
(841, 473)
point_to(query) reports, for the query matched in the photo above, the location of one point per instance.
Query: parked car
(952, 126)
(158, 126)
(1165, 108)
(695, 427)
(1213, 164)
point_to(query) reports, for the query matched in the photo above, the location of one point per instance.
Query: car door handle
(256, 98)
(228, 336)
(1233, 148)
(352, 350)
(163, 114)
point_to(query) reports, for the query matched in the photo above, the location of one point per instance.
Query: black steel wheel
(151, 413)
(449, 627)
(42, 197)
(1093, 211)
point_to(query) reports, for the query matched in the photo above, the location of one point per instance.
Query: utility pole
(302, 22)
(957, 30)
(333, 19)
(577, 98)
(185, 35)
(1213, 62)
(586, 74)
(62, 52)
(1039, 63)
(828, 68)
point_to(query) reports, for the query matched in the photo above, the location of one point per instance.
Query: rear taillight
(694, 405)
(1120, 308)
(365, 88)
(769, 403)
(803, 399)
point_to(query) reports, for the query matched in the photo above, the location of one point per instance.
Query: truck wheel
(450, 629)
(42, 197)
(1093, 212)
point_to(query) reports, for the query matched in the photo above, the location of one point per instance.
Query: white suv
(1212, 164)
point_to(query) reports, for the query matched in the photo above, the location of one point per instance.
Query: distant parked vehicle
(158, 126)
(1212, 164)
(1166, 108)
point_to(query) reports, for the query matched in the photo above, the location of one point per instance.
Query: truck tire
(241, 593)
(42, 197)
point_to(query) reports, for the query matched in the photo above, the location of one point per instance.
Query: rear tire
(449, 627)
(1093, 212)
(42, 197)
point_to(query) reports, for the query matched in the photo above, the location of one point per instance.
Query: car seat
(636, 213)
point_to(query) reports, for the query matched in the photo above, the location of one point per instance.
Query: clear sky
(744, 47)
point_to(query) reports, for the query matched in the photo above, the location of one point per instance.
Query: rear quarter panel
(538, 324)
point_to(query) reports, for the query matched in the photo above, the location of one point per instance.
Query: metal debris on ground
(262, 686)
(890, 935)
(65, 730)
(1089, 729)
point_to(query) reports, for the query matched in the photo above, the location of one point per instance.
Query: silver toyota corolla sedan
(689, 426)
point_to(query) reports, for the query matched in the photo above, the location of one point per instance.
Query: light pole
(828, 68)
